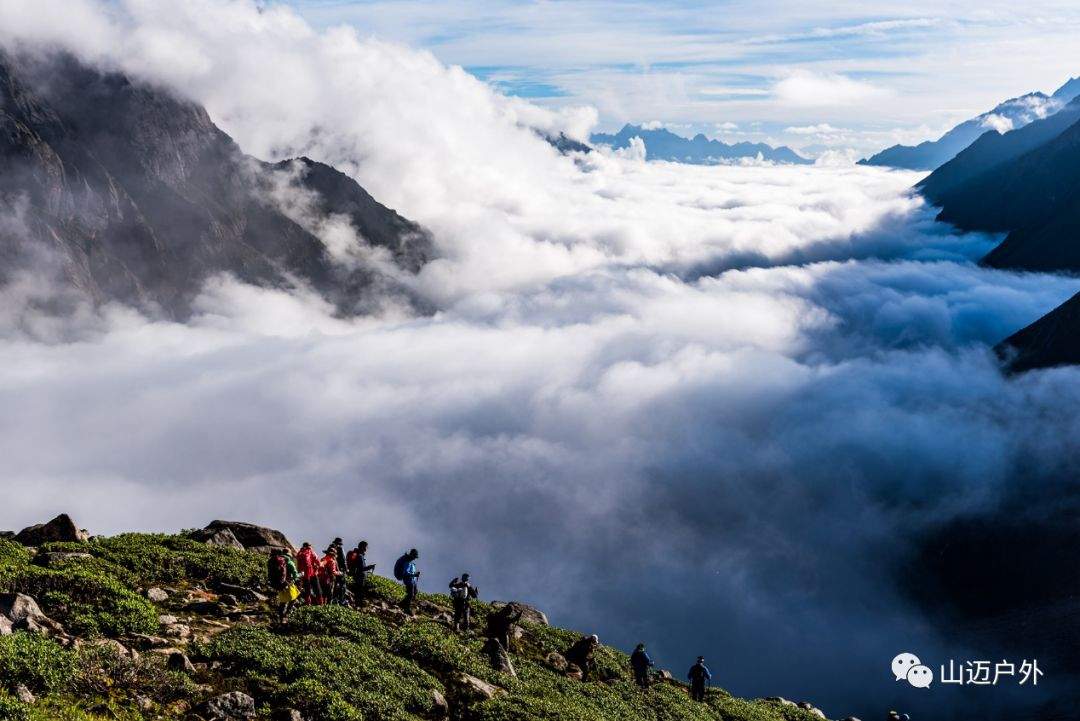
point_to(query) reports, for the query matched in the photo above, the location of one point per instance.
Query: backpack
(459, 592)
(350, 559)
(277, 571)
(399, 567)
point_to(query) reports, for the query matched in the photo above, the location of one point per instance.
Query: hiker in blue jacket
(405, 571)
(699, 676)
(641, 663)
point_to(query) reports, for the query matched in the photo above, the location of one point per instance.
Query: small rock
(574, 671)
(5, 626)
(439, 709)
(115, 646)
(665, 675)
(178, 630)
(247, 595)
(144, 641)
(61, 528)
(23, 694)
(232, 706)
(178, 661)
(157, 595)
(471, 688)
(807, 706)
(167, 651)
(286, 714)
(167, 620)
(144, 703)
(556, 661)
(227, 599)
(780, 700)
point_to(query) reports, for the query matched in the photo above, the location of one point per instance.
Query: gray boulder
(528, 613)
(178, 661)
(248, 535)
(52, 558)
(157, 595)
(61, 528)
(23, 614)
(23, 694)
(232, 706)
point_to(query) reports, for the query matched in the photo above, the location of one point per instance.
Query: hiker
(405, 571)
(500, 622)
(281, 574)
(339, 579)
(641, 663)
(328, 576)
(357, 567)
(699, 676)
(308, 565)
(581, 655)
(461, 591)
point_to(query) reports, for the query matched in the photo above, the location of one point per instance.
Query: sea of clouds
(711, 408)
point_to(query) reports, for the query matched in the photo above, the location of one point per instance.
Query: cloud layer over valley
(714, 408)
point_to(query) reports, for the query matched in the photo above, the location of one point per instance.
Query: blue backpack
(399, 567)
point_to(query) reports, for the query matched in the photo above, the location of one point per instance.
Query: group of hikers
(341, 577)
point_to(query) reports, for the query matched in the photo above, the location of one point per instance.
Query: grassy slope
(333, 664)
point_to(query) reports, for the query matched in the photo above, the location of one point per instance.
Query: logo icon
(907, 667)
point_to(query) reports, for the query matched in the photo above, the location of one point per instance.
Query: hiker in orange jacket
(307, 563)
(328, 574)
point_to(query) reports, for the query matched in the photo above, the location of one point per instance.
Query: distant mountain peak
(1069, 91)
(662, 144)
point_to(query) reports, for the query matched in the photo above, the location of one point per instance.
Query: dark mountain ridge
(141, 198)
(662, 144)
(1025, 183)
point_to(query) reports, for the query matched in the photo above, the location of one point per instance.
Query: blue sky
(812, 74)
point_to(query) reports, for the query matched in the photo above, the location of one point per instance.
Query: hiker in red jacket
(307, 563)
(328, 575)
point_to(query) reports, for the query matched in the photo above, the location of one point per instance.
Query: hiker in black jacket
(461, 592)
(641, 663)
(358, 568)
(699, 676)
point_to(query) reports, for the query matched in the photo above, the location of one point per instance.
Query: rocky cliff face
(137, 196)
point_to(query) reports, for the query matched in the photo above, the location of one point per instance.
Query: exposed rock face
(246, 535)
(61, 528)
(137, 196)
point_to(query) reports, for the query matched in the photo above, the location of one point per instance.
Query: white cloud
(631, 358)
(727, 127)
(804, 88)
(997, 122)
(819, 129)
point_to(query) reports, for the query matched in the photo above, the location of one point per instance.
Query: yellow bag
(288, 595)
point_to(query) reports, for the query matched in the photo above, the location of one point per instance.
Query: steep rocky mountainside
(135, 195)
(662, 144)
(142, 626)
(1053, 340)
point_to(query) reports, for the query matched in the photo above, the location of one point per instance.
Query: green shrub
(155, 558)
(13, 710)
(36, 661)
(338, 621)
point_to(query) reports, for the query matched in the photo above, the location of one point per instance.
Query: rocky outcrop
(19, 612)
(61, 528)
(243, 535)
